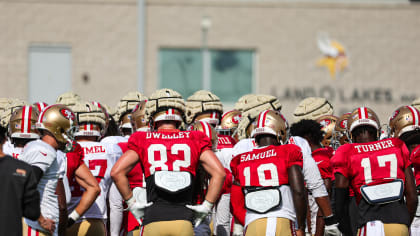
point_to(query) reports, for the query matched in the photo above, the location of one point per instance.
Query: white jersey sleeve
(225, 156)
(245, 145)
(38, 153)
(311, 175)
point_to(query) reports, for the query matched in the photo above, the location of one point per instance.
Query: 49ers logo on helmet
(325, 122)
(343, 124)
(68, 114)
(236, 119)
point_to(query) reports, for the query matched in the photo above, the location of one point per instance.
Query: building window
(231, 72)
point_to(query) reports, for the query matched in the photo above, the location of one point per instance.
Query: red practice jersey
(415, 159)
(169, 150)
(372, 163)
(225, 141)
(266, 166)
(74, 159)
(322, 158)
(135, 176)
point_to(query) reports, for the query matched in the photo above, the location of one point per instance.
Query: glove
(331, 226)
(73, 217)
(201, 211)
(137, 208)
(238, 230)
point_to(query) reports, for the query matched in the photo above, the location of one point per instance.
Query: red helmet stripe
(416, 115)
(22, 121)
(261, 119)
(206, 128)
(28, 127)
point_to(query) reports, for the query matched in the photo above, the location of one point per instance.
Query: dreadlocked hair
(309, 129)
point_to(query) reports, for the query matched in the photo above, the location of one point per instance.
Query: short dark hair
(309, 129)
(365, 128)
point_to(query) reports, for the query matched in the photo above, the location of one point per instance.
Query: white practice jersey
(11, 150)
(40, 154)
(114, 139)
(225, 156)
(99, 158)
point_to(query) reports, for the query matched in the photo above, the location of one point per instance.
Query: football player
(125, 107)
(22, 129)
(340, 131)
(405, 125)
(205, 106)
(56, 127)
(169, 158)
(379, 172)
(312, 132)
(99, 158)
(140, 123)
(271, 179)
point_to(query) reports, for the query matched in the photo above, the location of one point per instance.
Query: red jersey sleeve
(406, 155)
(204, 143)
(75, 158)
(415, 159)
(295, 156)
(322, 158)
(340, 162)
(234, 167)
(134, 142)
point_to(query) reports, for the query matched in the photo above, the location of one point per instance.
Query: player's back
(99, 158)
(170, 161)
(376, 174)
(263, 174)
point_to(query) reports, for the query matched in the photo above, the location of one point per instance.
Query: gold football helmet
(328, 123)
(207, 129)
(90, 118)
(340, 131)
(40, 105)
(69, 99)
(60, 122)
(165, 104)
(271, 122)
(362, 116)
(404, 119)
(229, 123)
(22, 123)
(205, 106)
(312, 108)
(138, 117)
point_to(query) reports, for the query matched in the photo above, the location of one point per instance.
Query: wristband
(74, 215)
(330, 220)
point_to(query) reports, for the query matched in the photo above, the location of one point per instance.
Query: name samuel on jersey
(256, 156)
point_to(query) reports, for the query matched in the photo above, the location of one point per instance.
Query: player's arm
(87, 181)
(410, 193)
(298, 194)
(215, 169)
(62, 207)
(120, 170)
(341, 197)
